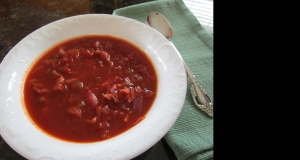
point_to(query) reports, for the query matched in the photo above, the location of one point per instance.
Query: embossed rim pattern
(26, 139)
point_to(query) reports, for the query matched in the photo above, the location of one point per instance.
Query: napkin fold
(191, 136)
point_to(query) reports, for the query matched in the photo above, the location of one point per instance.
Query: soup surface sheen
(90, 88)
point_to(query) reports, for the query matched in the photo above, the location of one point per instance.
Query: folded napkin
(191, 137)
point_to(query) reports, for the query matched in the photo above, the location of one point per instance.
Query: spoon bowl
(160, 23)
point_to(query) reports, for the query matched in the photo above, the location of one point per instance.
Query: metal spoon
(160, 23)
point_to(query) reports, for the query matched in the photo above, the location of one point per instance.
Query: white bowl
(26, 139)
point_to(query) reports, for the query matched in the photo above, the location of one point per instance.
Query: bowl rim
(26, 139)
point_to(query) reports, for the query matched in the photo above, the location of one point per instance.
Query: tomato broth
(90, 88)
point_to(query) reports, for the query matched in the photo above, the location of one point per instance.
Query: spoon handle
(200, 97)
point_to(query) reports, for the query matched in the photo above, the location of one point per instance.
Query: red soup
(90, 88)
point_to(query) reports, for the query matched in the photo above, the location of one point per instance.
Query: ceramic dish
(26, 139)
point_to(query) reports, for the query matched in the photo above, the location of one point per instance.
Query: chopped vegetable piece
(77, 85)
(91, 99)
(75, 111)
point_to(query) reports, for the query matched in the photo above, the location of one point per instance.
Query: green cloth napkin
(191, 137)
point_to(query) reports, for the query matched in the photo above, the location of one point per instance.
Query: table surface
(18, 18)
